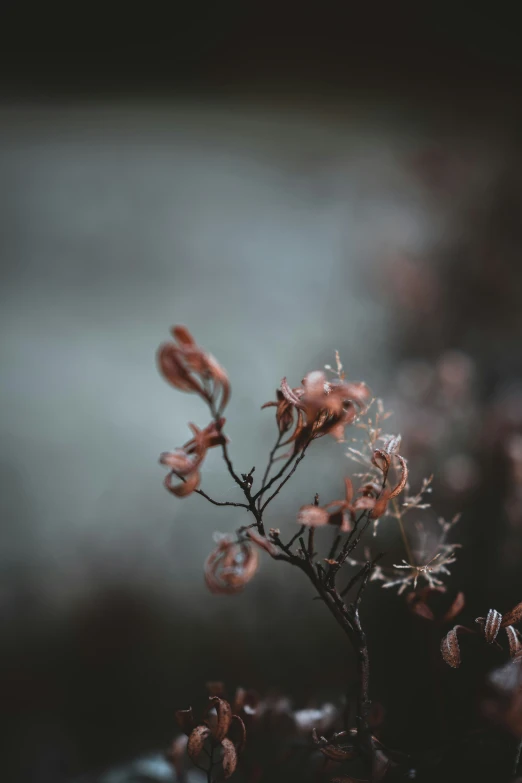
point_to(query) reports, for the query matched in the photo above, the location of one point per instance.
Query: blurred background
(286, 183)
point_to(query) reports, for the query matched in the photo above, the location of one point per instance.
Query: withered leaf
(196, 741)
(186, 720)
(450, 649)
(224, 716)
(512, 617)
(229, 760)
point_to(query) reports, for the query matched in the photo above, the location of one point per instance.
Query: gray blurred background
(285, 188)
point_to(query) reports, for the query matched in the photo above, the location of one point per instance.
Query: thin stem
(268, 468)
(217, 502)
(398, 516)
(277, 476)
(281, 485)
(224, 448)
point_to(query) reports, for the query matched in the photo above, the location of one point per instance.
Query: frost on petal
(514, 640)
(289, 393)
(312, 516)
(450, 649)
(492, 625)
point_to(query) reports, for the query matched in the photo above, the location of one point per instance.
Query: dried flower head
(328, 405)
(230, 566)
(220, 728)
(185, 462)
(189, 368)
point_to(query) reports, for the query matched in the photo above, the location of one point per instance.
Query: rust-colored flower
(328, 405)
(230, 566)
(189, 368)
(184, 463)
(219, 729)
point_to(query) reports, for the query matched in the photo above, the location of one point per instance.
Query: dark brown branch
(277, 476)
(267, 470)
(281, 485)
(218, 502)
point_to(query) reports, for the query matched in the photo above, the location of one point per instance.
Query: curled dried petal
(456, 607)
(514, 640)
(450, 649)
(230, 566)
(221, 725)
(382, 460)
(182, 335)
(289, 394)
(512, 617)
(174, 371)
(196, 741)
(186, 720)
(312, 516)
(188, 367)
(229, 760)
(492, 625)
(185, 487)
(348, 486)
(404, 477)
(238, 733)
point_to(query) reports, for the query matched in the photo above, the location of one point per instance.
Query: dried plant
(325, 403)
